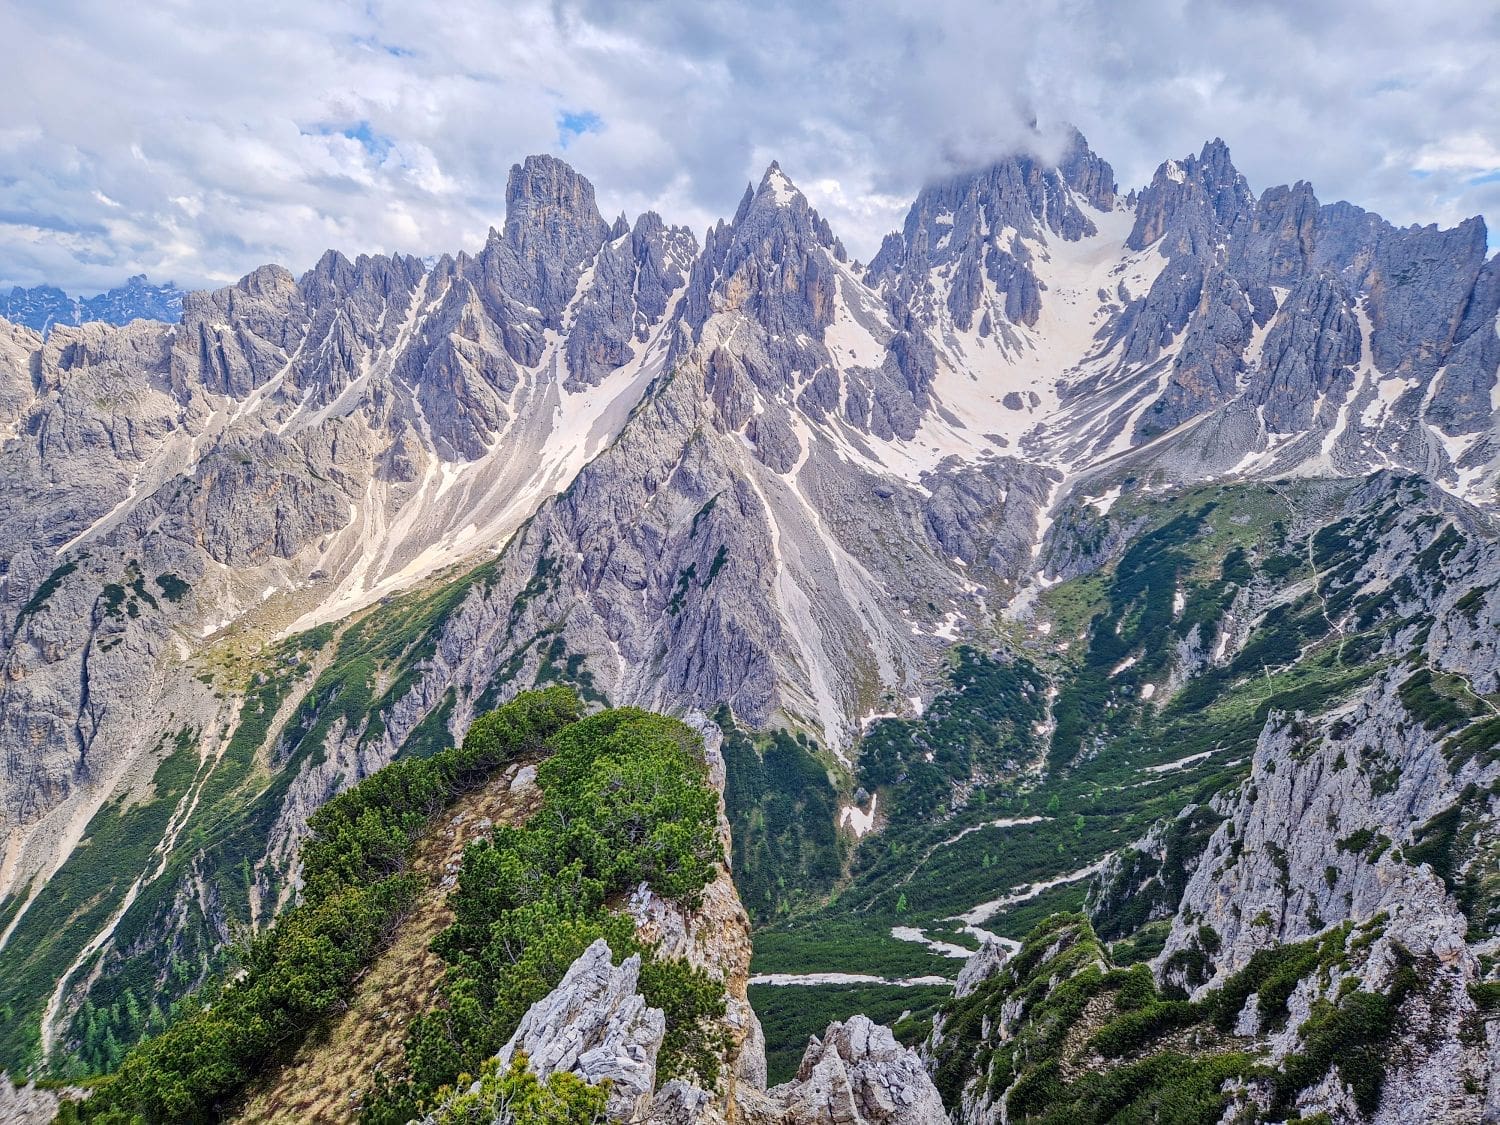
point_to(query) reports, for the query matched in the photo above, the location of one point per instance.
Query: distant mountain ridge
(43, 307)
(325, 520)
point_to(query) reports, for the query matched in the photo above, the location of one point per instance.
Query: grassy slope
(312, 681)
(317, 1083)
(1100, 792)
(79, 900)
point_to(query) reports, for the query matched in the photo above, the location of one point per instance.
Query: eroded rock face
(596, 1025)
(979, 968)
(27, 1105)
(858, 1073)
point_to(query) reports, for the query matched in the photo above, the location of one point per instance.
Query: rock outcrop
(27, 1105)
(596, 1025)
(858, 1073)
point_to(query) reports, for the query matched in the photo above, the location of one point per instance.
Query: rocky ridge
(43, 307)
(597, 1026)
(755, 474)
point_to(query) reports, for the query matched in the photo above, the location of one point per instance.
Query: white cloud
(194, 141)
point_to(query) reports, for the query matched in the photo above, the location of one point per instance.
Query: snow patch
(861, 822)
(1106, 502)
(812, 979)
(945, 948)
(1168, 767)
(987, 910)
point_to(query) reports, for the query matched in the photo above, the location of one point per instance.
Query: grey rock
(957, 228)
(858, 1073)
(1206, 372)
(595, 1024)
(979, 968)
(1310, 352)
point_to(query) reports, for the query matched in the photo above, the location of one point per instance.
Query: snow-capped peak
(781, 188)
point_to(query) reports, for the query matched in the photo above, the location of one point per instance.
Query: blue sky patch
(575, 123)
(372, 142)
(376, 144)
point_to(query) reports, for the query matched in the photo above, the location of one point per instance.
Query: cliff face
(1327, 919)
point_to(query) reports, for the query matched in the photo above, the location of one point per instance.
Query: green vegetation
(1480, 740)
(518, 1095)
(1121, 760)
(1440, 702)
(173, 588)
(1163, 1059)
(222, 846)
(983, 720)
(78, 901)
(376, 661)
(557, 666)
(831, 941)
(49, 586)
(356, 889)
(625, 801)
(782, 811)
(998, 786)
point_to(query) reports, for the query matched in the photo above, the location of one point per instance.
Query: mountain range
(1063, 482)
(41, 307)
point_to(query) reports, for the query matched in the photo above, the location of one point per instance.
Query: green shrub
(625, 801)
(518, 1095)
(355, 892)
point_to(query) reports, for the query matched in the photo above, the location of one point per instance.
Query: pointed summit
(777, 186)
(779, 204)
(1190, 196)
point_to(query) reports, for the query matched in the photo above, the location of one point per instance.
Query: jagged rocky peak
(977, 225)
(775, 270)
(636, 274)
(1088, 173)
(43, 307)
(1310, 353)
(550, 207)
(1356, 302)
(377, 277)
(1191, 197)
(552, 228)
(775, 261)
(777, 192)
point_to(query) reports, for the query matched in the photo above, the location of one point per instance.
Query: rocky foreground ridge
(597, 1026)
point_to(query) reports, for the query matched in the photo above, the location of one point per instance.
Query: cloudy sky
(193, 141)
